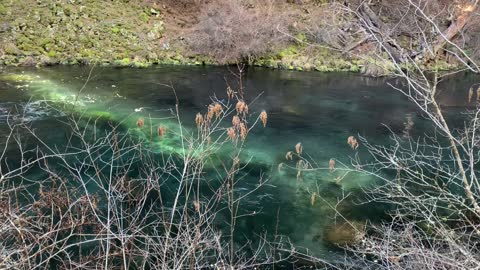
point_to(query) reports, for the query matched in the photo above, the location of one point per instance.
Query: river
(320, 110)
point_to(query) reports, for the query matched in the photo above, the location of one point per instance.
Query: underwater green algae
(105, 106)
(88, 106)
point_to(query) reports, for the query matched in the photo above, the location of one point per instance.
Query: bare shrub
(431, 182)
(231, 31)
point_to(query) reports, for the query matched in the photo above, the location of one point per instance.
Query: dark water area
(320, 110)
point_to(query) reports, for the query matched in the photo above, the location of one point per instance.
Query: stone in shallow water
(345, 233)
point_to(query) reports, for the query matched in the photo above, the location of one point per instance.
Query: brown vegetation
(263, 118)
(231, 31)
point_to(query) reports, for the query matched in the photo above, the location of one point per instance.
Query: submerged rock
(345, 233)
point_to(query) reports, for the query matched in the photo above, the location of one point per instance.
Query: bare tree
(430, 182)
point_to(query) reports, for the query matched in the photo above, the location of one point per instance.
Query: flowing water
(319, 110)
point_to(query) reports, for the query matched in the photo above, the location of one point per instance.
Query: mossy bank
(121, 33)
(124, 33)
(136, 33)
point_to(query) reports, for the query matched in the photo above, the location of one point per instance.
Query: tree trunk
(376, 25)
(453, 30)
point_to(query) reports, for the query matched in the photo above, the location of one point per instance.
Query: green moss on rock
(3, 10)
(67, 30)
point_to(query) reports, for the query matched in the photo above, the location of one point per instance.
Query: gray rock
(28, 61)
(5, 27)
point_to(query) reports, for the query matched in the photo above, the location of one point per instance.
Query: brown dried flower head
(230, 92)
(211, 112)
(241, 107)
(243, 131)
(231, 133)
(236, 121)
(352, 141)
(140, 122)
(263, 118)
(199, 120)
(289, 155)
(161, 131)
(217, 109)
(299, 148)
(312, 198)
(331, 164)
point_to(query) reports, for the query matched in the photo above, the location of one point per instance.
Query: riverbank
(144, 33)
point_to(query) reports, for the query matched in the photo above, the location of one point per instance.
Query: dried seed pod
(230, 92)
(241, 107)
(352, 141)
(161, 131)
(470, 94)
(331, 164)
(243, 131)
(263, 118)
(140, 122)
(298, 148)
(289, 155)
(231, 133)
(236, 121)
(312, 198)
(217, 109)
(199, 120)
(211, 112)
